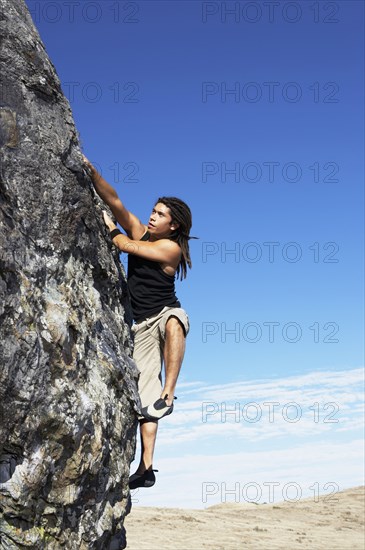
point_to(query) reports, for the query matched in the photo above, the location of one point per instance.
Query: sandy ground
(332, 524)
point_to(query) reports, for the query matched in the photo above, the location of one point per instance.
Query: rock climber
(157, 252)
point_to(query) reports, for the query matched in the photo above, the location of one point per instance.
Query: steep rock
(68, 395)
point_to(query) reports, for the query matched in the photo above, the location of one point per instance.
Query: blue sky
(255, 118)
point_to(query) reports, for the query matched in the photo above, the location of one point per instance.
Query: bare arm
(130, 223)
(164, 251)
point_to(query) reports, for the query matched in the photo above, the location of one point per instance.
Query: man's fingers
(87, 163)
(107, 218)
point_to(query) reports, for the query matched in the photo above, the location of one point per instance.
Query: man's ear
(174, 226)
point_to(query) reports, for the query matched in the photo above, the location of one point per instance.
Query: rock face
(68, 389)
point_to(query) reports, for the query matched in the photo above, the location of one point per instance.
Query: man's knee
(174, 327)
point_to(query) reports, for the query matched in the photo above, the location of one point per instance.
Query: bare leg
(173, 353)
(148, 431)
(174, 350)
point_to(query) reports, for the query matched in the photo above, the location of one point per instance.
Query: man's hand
(121, 241)
(89, 167)
(130, 223)
(108, 221)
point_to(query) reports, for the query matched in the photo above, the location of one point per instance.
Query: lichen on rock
(68, 385)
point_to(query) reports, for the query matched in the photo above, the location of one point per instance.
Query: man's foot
(147, 479)
(158, 409)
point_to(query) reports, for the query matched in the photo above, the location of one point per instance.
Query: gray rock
(68, 393)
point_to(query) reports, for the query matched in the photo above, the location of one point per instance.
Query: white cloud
(292, 472)
(309, 404)
(323, 446)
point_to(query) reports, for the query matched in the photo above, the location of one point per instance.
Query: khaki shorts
(149, 341)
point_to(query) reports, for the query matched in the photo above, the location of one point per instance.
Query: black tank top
(150, 288)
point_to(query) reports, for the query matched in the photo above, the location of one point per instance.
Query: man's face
(160, 223)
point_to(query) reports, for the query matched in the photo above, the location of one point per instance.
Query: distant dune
(333, 523)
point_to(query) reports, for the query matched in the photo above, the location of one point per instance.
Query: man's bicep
(130, 223)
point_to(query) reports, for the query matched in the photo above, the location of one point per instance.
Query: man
(156, 253)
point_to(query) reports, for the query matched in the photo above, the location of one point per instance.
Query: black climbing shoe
(158, 409)
(147, 479)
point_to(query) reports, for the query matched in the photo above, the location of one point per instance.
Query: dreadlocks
(180, 214)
